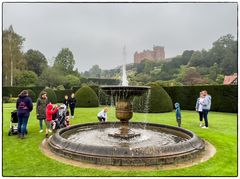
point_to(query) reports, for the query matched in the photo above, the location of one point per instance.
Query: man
(206, 107)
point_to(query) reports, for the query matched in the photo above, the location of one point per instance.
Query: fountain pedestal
(124, 107)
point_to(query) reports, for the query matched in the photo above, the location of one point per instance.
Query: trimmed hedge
(86, 97)
(159, 101)
(224, 97)
(51, 95)
(101, 81)
(14, 91)
(61, 94)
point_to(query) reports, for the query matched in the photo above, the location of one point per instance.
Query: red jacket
(50, 112)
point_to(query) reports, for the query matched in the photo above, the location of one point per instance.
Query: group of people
(45, 111)
(203, 106)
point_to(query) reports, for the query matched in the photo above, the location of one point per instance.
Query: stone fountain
(126, 143)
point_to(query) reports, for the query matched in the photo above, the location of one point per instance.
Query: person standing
(206, 107)
(41, 104)
(178, 114)
(50, 111)
(199, 107)
(72, 102)
(24, 106)
(66, 101)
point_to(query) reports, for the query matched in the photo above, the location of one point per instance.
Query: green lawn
(24, 157)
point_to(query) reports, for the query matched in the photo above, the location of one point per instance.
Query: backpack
(22, 105)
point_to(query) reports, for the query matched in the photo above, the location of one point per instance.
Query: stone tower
(157, 54)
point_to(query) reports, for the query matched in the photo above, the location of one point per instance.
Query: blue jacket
(24, 105)
(178, 111)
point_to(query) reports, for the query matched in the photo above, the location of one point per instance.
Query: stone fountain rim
(187, 145)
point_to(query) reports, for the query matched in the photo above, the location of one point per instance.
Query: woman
(66, 101)
(199, 107)
(72, 103)
(41, 108)
(24, 106)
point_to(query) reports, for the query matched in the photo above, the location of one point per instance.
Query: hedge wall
(86, 97)
(14, 91)
(224, 97)
(101, 81)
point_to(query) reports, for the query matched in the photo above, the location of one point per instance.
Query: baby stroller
(13, 123)
(59, 118)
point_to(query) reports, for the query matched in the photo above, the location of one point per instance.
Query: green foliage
(26, 78)
(51, 78)
(32, 95)
(101, 81)
(159, 101)
(14, 90)
(12, 52)
(86, 97)
(7, 99)
(71, 80)
(35, 61)
(51, 95)
(64, 61)
(224, 97)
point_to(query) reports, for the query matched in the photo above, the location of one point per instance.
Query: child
(50, 110)
(102, 115)
(67, 119)
(178, 114)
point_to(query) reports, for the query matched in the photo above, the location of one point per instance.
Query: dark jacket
(24, 105)
(72, 102)
(41, 108)
(66, 102)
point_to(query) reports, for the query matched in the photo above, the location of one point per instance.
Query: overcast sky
(97, 32)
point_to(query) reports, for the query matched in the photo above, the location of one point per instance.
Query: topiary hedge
(224, 97)
(159, 101)
(51, 95)
(86, 97)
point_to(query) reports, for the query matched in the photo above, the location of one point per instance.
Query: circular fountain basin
(157, 144)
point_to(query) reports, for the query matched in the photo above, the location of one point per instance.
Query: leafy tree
(50, 77)
(64, 61)
(192, 77)
(36, 61)
(95, 71)
(12, 52)
(26, 78)
(70, 81)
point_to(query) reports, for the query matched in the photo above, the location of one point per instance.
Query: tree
(26, 78)
(64, 61)
(95, 71)
(12, 55)
(71, 81)
(50, 77)
(36, 61)
(192, 77)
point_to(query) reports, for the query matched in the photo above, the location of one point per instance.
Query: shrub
(5, 99)
(159, 101)
(86, 97)
(51, 95)
(32, 95)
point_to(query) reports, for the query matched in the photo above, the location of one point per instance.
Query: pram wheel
(9, 133)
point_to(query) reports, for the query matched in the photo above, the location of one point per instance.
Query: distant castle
(158, 53)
